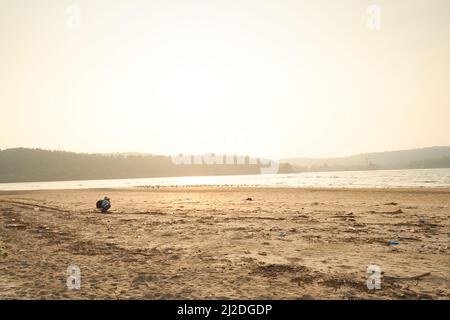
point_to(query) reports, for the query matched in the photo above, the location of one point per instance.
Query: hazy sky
(203, 75)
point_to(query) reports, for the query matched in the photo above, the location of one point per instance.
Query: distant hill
(432, 157)
(28, 165)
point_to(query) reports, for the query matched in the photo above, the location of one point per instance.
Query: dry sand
(211, 243)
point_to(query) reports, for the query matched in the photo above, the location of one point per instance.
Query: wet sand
(212, 243)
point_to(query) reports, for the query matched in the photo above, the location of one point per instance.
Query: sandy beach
(214, 243)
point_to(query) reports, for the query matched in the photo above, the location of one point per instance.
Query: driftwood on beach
(393, 278)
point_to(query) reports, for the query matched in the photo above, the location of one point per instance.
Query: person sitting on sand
(104, 204)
